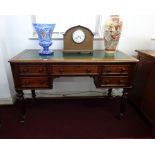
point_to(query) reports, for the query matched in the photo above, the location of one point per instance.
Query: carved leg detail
(33, 94)
(20, 96)
(109, 93)
(123, 103)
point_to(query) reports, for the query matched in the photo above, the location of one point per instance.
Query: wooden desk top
(98, 56)
(147, 52)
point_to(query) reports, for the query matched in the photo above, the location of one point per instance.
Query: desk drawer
(117, 81)
(116, 69)
(75, 70)
(34, 82)
(32, 70)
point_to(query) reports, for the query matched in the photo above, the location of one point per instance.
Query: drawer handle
(121, 81)
(61, 70)
(25, 70)
(123, 70)
(41, 70)
(108, 71)
(107, 81)
(42, 82)
(88, 70)
(26, 82)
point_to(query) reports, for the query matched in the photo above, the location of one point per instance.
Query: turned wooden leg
(20, 96)
(109, 93)
(33, 94)
(0, 123)
(153, 132)
(123, 103)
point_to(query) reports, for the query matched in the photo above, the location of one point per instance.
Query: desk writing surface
(58, 56)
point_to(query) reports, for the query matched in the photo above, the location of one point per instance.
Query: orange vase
(112, 32)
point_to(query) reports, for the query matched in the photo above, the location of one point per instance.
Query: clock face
(78, 36)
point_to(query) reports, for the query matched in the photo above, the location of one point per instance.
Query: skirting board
(7, 101)
(47, 93)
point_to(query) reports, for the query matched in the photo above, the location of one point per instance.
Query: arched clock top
(79, 27)
(78, 39)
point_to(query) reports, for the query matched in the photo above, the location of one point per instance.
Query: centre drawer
(75, 70)
(116, 69)
(32, 70)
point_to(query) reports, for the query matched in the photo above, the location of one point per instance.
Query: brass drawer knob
(108, 71)
(61, 70)
(42, 82)
(88, 70)
(121, 81)
(41, 70)
(25, 70)
(107, 81)
(123, 70)
(26, 82)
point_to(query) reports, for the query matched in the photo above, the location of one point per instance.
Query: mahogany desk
(32, 71)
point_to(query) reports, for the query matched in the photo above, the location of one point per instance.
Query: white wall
(137, 33)
(5, 93)
(4, 86)
(15, 33)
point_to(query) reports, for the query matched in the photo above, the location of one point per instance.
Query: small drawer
(32, 70)
(75, 70)
(116, 69)
(114, 81)
(34, 82)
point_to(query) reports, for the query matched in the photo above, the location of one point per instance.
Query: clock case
(84, 47)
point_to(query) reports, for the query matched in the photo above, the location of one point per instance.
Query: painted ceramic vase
(44, 32)
(112, 32)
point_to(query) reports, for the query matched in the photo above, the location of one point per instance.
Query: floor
(73, 119)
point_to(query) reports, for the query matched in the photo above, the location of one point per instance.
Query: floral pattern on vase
(44, 32)
(112, 32)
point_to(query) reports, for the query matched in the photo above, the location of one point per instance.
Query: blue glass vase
(44, 32)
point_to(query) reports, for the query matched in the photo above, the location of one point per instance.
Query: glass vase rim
(42, 24)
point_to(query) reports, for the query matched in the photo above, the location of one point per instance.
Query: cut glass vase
(44, 32)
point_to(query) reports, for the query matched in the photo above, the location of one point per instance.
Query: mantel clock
(78, 39)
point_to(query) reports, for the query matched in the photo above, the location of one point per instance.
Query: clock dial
(78, 36)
